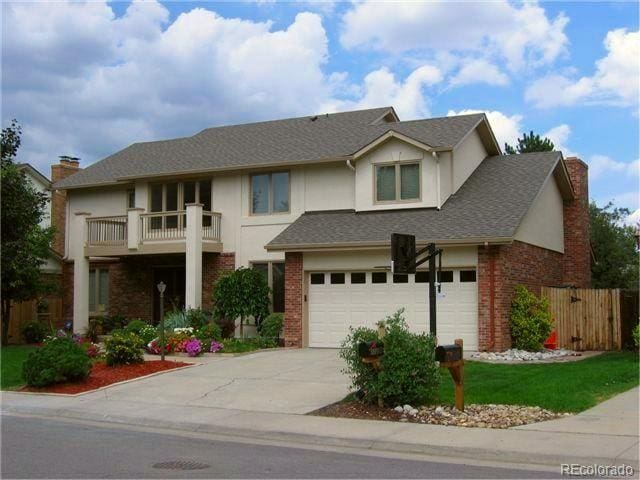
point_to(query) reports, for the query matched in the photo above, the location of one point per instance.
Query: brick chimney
(66, 167)
(577, 247)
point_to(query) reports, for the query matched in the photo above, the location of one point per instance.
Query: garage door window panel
(379, 277)
(317, 279)
(358, 277)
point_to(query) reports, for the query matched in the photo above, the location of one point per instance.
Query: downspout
(437, 159)
(492, 273)
(351, 167)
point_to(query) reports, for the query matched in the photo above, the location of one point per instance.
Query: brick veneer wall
(60, 171)
(293, 299)
(213, 266)
(577, 249)
(131, 286)
(515, 264)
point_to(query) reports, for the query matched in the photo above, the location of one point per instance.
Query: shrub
(59, 360)
(272, 326)
(93, 330)
(530, 320)
(135, 326)
(124, 348)
(197, 318)
(227, 326)
(175, 319)
(210, 331)
(112, 322)
(636, 336)
(409, 373)
(34, 332)
(148, 333)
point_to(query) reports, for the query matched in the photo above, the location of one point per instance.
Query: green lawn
(562, 387)
(12, 357)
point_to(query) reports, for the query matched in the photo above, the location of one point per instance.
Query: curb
(472, 453)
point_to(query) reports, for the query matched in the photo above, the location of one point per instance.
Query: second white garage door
(338, 300)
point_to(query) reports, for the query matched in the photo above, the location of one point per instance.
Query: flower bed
(102, 375)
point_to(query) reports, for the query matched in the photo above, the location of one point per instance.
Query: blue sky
(88, 79)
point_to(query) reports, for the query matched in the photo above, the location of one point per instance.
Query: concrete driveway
(276, 381)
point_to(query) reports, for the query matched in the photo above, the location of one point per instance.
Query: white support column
(80, 276)
(133, 227)
(193, 263)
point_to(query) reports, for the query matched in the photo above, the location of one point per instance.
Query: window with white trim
(396, 182)
(270, 193)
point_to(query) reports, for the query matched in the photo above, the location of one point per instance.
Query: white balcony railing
(149, 227)
(107, 231)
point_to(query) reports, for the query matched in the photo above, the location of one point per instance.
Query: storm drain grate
(181, 465)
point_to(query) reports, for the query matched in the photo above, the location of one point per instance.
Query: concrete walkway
(222, 398)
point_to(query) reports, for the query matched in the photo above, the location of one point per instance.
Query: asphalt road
(43, 448)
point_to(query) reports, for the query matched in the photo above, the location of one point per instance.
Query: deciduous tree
(25, 244)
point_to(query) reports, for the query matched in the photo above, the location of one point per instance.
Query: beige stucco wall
(369, 259)
(466, 158)
(391, 151)
(543, 224)
(329, 187)
(446, 171)
(99, 203)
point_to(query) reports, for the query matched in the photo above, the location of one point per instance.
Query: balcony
(140, 233)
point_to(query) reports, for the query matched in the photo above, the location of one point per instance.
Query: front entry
(174, 279)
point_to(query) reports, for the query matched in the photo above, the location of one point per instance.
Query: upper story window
(270, 193)
(174, 196)
(131, 198)
(396, 182)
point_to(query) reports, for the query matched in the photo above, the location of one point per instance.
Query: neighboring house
(312, 202)
(47, 308)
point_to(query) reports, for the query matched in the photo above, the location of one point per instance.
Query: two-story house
(312, 202)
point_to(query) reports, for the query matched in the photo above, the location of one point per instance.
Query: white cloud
(87, 83)
(382, 88)
(505, 128)
(479, 71)
(633, 219)
(601, 165)
(559, 135)
(522, 36)
(615, 81)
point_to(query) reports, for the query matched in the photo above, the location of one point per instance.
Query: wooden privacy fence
(592, 319)
(25, 312)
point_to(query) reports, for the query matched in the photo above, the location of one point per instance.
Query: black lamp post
(161, 288)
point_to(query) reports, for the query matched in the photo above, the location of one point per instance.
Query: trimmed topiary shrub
(59, 360)
(530, 320)
(272, 326)
(34, 332)
(124, 348)
(409, 373)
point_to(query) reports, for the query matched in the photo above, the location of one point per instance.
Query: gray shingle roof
(489, 205)
(275, 142)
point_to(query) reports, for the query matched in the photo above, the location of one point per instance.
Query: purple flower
(215, 346)
(193, 347)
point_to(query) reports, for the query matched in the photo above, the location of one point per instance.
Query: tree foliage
(25, 244)
(241, 294)
(614, 247)
(530, 143)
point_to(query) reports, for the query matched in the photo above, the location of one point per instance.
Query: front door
(174, 279)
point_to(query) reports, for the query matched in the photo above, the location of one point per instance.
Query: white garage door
(338, 300)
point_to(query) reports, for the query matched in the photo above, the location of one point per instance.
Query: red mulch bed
(101, 375)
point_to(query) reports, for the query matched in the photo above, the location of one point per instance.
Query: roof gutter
(315, 247)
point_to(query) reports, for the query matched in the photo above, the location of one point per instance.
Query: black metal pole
(162, 326)
(432, 288)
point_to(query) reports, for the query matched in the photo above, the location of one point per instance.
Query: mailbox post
(450, 356)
